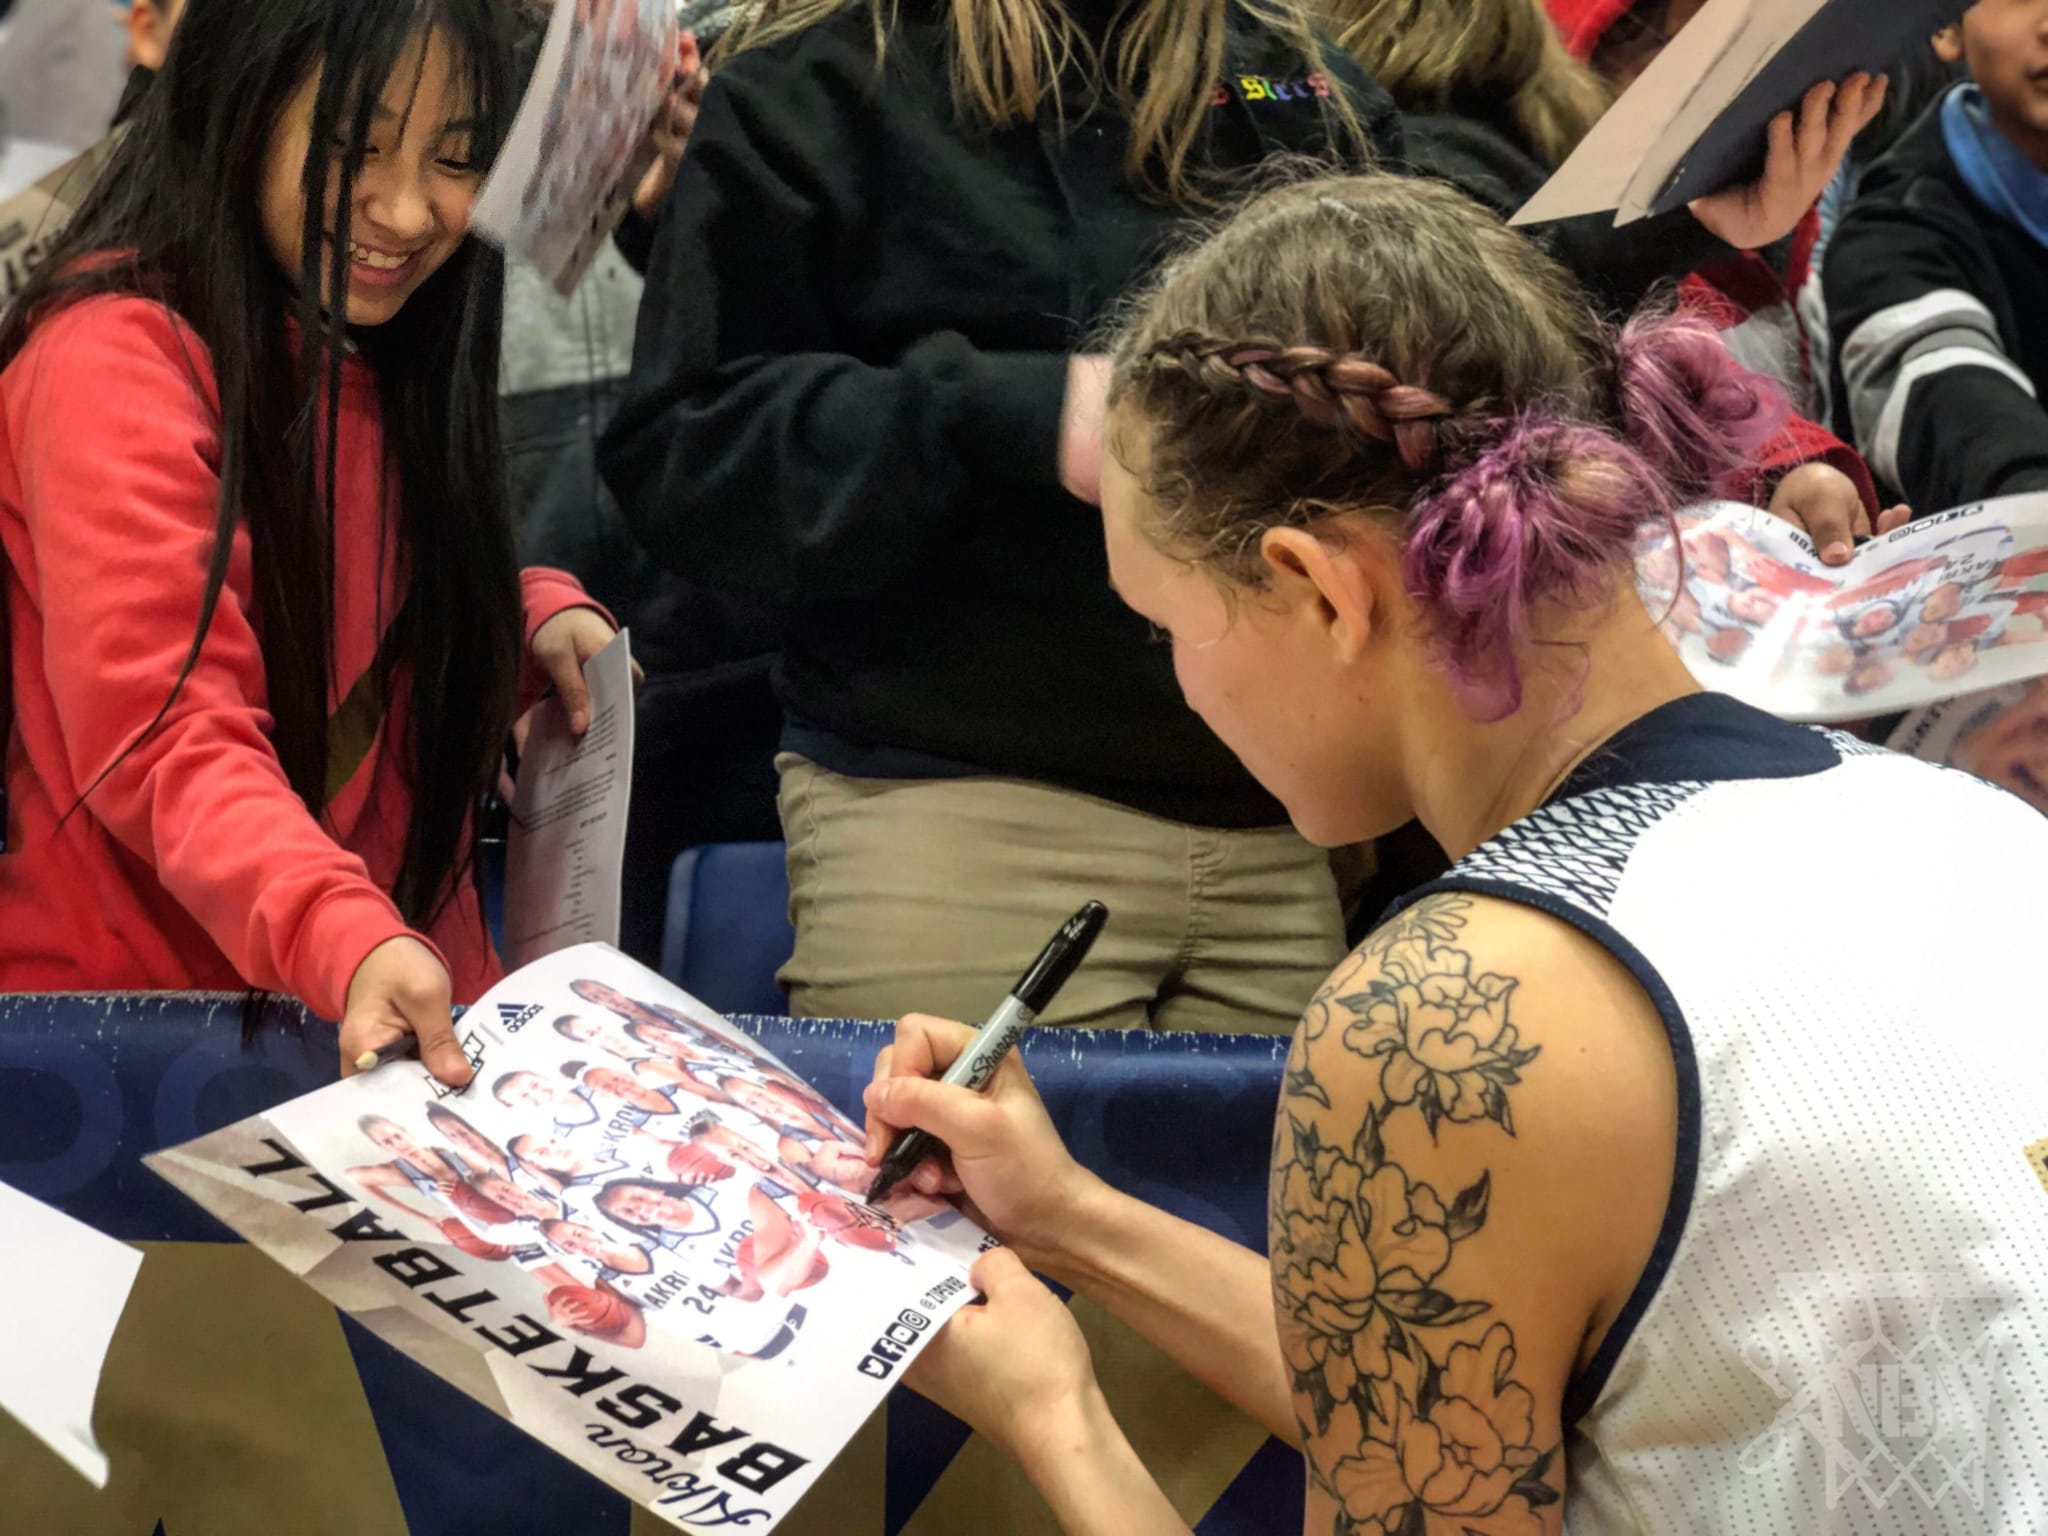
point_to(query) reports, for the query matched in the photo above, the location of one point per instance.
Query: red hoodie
(1755, 308)
(193, 863)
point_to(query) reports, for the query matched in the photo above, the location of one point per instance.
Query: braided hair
(1384, 347)
(1342, 391)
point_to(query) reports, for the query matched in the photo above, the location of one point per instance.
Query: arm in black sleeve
(1622, 266)
(635, 239)
(1619, 267)
(752, 450)
(1938, 404)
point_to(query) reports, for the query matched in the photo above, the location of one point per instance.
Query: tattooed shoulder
(1413, 1417)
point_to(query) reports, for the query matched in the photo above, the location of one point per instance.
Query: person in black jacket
(1937, 279)
(860, 390)
(855, 392)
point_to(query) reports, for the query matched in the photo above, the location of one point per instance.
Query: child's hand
(670, 134)
(1822, 500)
(561, 647)
(1807, 149)
(401, 989)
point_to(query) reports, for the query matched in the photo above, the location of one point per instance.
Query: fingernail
(366, 1061)
(1838, 551)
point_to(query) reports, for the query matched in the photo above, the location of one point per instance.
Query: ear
(149, 33)
(1337, 583)
(1948, 44)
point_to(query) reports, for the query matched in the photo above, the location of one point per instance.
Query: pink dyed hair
(1543, 508)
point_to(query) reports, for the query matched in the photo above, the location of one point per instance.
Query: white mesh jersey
(1844, 1328)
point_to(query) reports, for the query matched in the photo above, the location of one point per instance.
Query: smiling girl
(266, 625)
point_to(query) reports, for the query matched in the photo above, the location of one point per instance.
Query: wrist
(1058, 1431)
(1084, 1467)
(1085, 1218)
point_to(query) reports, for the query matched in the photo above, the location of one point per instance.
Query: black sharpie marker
(1032, 995)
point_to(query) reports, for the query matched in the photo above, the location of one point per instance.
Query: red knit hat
(1585, 22)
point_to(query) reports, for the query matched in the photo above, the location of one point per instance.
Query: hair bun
(1541, 516)
(1692, 411)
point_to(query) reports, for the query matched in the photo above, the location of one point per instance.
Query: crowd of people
(1106, 448)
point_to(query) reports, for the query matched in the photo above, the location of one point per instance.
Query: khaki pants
(933, 895)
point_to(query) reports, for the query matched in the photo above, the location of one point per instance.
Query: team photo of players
(668, 1166)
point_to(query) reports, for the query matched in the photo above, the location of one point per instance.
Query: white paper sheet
(61, 73)
(566, 855)
(74, 1282)
(563, 180)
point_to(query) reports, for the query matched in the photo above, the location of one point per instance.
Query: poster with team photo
(2000, 734)
(635, 1235)
(1949, 605)
(566, 174)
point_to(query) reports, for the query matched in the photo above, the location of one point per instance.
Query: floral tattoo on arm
(1409, 1433)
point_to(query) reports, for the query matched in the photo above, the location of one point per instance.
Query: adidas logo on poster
(516, 1016)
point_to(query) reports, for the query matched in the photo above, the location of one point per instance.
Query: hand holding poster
(577, 148)
(635, 1235)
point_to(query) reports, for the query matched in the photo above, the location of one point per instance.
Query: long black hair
(176, 217)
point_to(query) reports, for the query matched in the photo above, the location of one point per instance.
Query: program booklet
(1698, 119)
(636, 1235)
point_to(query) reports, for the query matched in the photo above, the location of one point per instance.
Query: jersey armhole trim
(1584, 1389)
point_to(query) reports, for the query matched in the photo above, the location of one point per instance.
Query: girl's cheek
(457, 210)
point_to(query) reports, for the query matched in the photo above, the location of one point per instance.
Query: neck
(1469, 781)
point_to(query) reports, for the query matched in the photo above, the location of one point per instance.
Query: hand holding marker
(1032, 995)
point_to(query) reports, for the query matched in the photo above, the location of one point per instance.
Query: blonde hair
(1162, 72)
(1444, 56)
